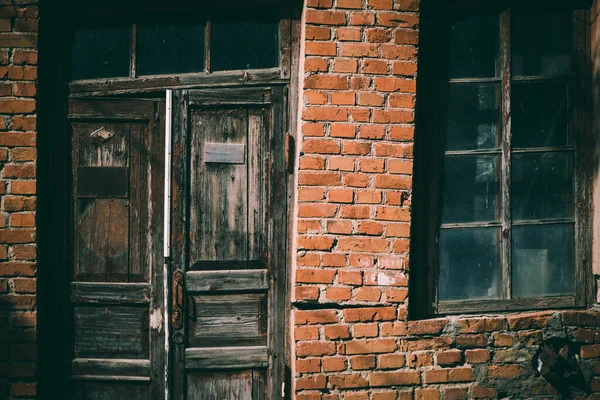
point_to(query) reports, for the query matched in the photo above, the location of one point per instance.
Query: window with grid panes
(510, 165)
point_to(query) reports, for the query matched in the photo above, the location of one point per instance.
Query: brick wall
(18, 73)
(352, 337)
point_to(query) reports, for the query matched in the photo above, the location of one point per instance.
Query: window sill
(480, 306)
(156, 82)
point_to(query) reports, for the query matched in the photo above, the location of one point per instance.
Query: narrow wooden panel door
(117, 282)
(229, 242)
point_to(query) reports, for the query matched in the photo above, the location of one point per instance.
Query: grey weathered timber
(153, 83)
(127, 367)
(506, 143)
(95, 292)
(116, 287)
(230, 218)
(242, 357)
(231, 96)
(248, 279)
(224, 153)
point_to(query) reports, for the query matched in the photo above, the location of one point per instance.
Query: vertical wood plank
(506, 245)
(219, 201)
(256, 133)
(277, 234)
(585, 291)
(137, 201)
(153, 176)
(179, 216)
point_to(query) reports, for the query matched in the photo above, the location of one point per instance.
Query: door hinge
(290, 152)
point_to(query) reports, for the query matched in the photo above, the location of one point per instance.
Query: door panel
(229, 236)
(117, 281)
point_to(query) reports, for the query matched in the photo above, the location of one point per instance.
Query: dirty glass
(540, 115)
(101, 53)
(542, 44)
(469, 266)
(170, 48)
(542, 186)
(470, 189)
(473, 116)
(244, 40)
(543, 260)
(474, 47)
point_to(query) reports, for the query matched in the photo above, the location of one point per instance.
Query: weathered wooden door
(229, 241)
(117, 282)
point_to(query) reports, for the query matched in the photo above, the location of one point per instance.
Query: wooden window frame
(427, 170)
(133, 83)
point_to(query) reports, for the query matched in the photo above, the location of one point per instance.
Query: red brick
(449, 358)
(368, 294)
(348, 381)
(331, 364)
(394, 378)
(306, 333)
(338, 293)
(365, 330)
(308, 365)
(312, 382)
(315, 349)
(318, 17)
(477, 356)
(427, 327)
(316, 317)
(314, 276)
(315, 243)
(391, 361)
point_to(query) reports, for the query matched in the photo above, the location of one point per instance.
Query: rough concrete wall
(352, 337)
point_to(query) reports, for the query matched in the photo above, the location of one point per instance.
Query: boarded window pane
(166, 49)
(470, 189)
(469, 264)
(542, 186)
(540, 115)
(101, 53)
(543, 260)
(542, 44)
(473, 116)
(474, 47)
(245, 41)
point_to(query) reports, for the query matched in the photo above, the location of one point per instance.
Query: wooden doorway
(229, 240)
(122, 278)
(116, 287)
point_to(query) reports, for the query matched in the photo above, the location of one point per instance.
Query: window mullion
(207, 35)
(506, 154)
(133, 58)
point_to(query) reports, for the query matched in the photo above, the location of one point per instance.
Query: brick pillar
(18, 70)
(354, 178)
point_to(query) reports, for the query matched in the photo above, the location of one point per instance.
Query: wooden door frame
(276, 213)
(54, 184)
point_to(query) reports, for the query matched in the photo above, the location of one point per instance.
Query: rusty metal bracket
(177, 300)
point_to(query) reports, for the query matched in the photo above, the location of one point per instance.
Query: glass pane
(542, 186)
(542, 44)
(473, 116)
(167, 49)
(101, 53)
(470, 189)
(469, 262)
(474, 47)
(543, 260)
(245, 41)
(540, 115)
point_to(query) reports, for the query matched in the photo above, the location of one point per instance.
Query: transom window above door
(509, 229)
(166, 43)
